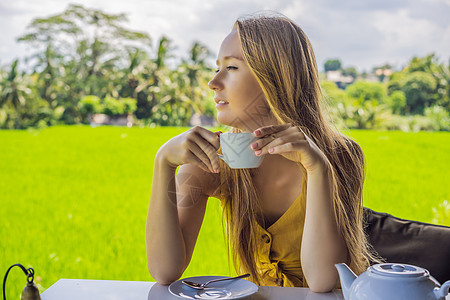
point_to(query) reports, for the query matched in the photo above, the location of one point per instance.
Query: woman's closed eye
(229, 68)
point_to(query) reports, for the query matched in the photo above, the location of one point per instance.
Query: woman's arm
(177, 204)
(166, 251)
(322, 244)
(175, 215)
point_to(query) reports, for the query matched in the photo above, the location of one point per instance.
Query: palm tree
(89, 46)
(198, 74)
(152, 80)
(14, 93)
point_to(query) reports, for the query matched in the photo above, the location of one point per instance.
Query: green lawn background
(74, 198)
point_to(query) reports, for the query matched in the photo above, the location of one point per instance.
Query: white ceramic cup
(236, 150)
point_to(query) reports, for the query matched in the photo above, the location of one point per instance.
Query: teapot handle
(443, 290)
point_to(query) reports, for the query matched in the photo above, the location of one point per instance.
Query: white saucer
(230, 289)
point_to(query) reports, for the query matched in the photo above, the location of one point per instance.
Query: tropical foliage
(86, 62)
(414, 98)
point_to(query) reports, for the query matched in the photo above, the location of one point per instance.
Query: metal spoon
(199, 286)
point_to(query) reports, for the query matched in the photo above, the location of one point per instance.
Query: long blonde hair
(281, 57)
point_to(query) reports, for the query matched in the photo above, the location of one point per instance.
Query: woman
(290, 220)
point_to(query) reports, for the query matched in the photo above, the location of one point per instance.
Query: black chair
(410, 242)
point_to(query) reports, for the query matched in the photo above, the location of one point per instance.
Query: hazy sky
(361, 33)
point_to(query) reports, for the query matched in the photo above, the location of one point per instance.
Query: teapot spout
(346, 276)
(443, 291)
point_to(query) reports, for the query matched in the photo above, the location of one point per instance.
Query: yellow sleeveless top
(280, 245)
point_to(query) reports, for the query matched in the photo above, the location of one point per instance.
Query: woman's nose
(215, 83)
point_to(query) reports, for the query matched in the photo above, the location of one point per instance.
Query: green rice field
(74, 198)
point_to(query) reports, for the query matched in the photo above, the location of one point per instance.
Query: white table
(81, 289)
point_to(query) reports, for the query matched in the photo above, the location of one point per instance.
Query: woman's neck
(257, 122)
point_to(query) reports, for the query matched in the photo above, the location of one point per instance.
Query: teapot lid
(399, 270)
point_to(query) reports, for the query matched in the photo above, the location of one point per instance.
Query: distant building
(383, 74)
(341, 80)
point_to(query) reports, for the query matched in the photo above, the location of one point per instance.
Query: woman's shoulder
(208, 183)
(346, 145)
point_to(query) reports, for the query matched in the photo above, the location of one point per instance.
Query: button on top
(266, 238)
(279, 281)
(398, 268)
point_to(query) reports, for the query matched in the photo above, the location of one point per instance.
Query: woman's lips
(221, 104)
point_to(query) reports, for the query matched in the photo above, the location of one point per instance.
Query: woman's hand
(197, 146)
(292, 143)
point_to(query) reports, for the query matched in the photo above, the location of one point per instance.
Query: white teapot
(391, 281)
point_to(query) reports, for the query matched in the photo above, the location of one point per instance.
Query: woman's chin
(225, 120)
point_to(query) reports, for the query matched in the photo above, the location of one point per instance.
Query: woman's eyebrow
(228, 57)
